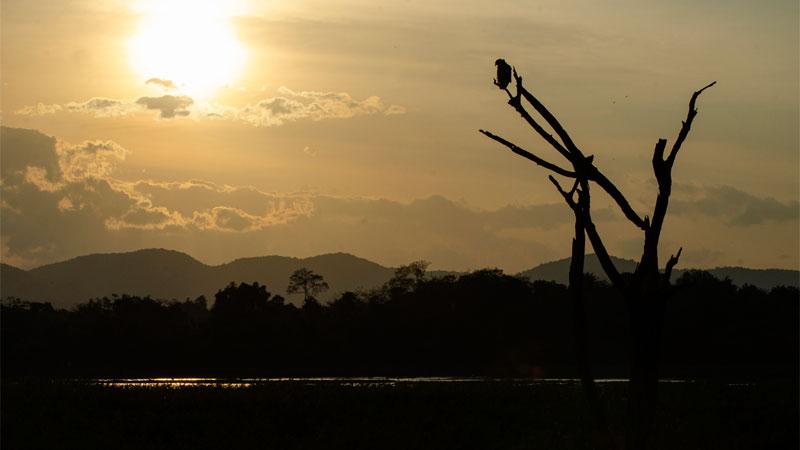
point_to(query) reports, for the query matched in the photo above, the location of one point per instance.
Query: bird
(503, 73)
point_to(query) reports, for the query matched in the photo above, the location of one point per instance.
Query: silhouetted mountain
(342, 271)
(160, 273)
(762, 278)
(14, 280)
(558, 271)
(168, 274)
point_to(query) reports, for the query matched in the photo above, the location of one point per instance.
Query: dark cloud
(22, 148)
(61, 200)
(169, 106)
(759, 210)
(736, 207)
(71, 203)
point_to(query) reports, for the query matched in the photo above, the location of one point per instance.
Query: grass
(329, 415)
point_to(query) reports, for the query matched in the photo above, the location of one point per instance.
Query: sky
(229, 129)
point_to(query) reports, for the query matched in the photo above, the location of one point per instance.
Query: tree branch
(582, 208)
(603, 256)
(516, 103)
(673, 260)
(611, 189)
(549, 117)
(687, 124)
(662, 169)
(568, 196)
(571, 152)
(528, 155)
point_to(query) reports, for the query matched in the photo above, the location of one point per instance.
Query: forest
(484, 323)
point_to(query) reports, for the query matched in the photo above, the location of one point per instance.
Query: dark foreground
(407, 415)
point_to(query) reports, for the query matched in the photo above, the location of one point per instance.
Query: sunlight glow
(189, 43)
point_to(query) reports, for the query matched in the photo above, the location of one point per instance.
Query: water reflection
(237, 383)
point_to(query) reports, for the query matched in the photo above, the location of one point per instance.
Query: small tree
(646, 290)
(307, 282)
(407, 277)
(240, 300)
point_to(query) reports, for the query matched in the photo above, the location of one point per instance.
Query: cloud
(394, 110)
(91, 159)
(736, 207)
(225, 218)
(287, 106)
(39, 109)
(290, 106)
(145, 217)
(38, 176)
(61, 200)
(38, 160)
(73, 203)
(66, 204)
(96, 106)
(99, 107)
(169, 106)
(57, 196)
(166, 84)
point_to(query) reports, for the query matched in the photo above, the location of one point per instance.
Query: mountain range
(762, 278)
(168, 274)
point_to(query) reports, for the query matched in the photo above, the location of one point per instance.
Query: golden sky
(239, 128)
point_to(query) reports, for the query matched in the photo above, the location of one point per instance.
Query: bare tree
(645, 291)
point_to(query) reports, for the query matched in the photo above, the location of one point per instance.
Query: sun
(188, 42)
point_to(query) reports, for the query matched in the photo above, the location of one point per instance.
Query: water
(237, 383)
(389, 413)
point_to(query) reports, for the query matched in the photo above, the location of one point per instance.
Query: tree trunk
(646, 322)
(601, 434)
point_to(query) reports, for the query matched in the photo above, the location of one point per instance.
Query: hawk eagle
(503, 73)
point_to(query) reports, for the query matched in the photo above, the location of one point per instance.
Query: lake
(378, 413)
(207, 382)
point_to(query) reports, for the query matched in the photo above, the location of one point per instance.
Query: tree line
(484, 323)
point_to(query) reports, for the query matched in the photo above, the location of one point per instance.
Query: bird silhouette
(503, 73)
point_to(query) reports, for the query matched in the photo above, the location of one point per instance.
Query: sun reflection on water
(239, 383)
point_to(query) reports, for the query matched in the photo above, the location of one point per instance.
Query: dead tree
(645, 291)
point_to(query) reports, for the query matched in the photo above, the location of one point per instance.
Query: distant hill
(558, 271)
(168, 274)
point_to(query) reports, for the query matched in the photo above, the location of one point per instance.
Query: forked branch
(687, 124)
(582, 211)
(662, 168)
(568, 196)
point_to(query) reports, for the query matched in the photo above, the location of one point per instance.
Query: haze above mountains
(168, 274)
